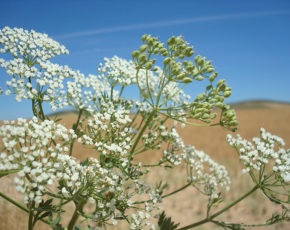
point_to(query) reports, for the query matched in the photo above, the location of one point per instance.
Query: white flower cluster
(205, 171)
(28, 148)
(118, 71)
(107, 131)
(84, 92)
(266, 150)
(38, 152)
(150, 83)
(202, 170)
(30, 45)
(33, 75)
(141, 220)
(174, 152)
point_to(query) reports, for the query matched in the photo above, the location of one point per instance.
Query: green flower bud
(220, 83)
(212, 76)
(201, 96)
(180, 76)
(189, 67)
(196, 58)
(195, 71)
(160, 45)
(145, 37)
(205, 116)
(148, 65)
(208, 87)
(201, 62)
(197, 115)
(171, 41)
(156, 50)
(164, 52)
(155, 44)
(179, 41)
(200, 110)
(143, 48)
(176, 69)
(166, 60)
(150, 41)
(229, 114)
(219, 104)
(142, 58)
(213, 116)
(227, 93)
(189, 51)
(210, 70)
(233, 123)
(199, 78)
(187, 80)
(135, 53)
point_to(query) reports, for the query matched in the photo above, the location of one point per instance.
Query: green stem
(211, 217)
(75, 127)
(176, 191)
(42, 116)
(75, 215)
(167, 195)
(14, 202)
(73, 220)
(23, 208)
(141, 132)
(30, 220)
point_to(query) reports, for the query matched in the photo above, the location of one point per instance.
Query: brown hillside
(188, 207)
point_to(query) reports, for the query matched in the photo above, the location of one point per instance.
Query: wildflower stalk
(75, 215)
(211, 217)
(141, 132)
(23, 208)
(167, 195)
(40, 149)
(30, 220)
(177, 190)
(75, 127)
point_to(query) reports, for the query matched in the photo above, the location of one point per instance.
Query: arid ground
(189, 206)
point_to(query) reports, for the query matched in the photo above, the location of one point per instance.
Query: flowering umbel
(112, 185)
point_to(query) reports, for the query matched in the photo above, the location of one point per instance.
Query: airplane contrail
(170, 23)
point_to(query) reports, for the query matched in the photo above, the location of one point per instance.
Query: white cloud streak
(171, 23)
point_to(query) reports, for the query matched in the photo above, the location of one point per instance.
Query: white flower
(263, 151)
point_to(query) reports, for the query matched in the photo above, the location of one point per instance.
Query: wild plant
(111, 186)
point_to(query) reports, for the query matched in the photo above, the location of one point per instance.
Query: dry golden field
(189, 206)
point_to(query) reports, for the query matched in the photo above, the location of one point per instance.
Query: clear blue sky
(248, 41)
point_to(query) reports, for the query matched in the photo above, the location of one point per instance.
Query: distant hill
(258, 104)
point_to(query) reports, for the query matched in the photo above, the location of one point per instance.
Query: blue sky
(247, 41)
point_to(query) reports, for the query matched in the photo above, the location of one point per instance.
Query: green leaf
(165, 223)
(7, 172)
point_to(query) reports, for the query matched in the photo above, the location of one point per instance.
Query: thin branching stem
(211, 217)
